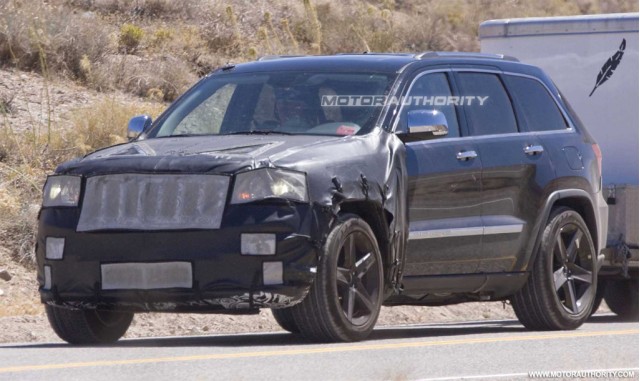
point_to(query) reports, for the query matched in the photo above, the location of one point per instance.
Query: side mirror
(425, 125)
(137, 125)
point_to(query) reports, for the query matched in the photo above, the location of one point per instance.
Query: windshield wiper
(181, 136)
(258, 132)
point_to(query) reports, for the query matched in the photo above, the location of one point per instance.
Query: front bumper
(223, 278)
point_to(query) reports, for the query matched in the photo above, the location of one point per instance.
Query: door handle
(466, 155)
(533, 149)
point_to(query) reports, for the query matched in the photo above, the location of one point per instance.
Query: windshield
(278, 102)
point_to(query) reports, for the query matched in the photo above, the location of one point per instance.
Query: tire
(85, 327)
(622, 298)
(344, 301)
(561, 288)
(597, 301)
(284, 318)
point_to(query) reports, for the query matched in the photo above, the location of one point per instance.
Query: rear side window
(536, 106)
(487, 105)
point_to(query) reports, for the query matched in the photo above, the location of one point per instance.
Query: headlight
(269, 183)
(61, 191)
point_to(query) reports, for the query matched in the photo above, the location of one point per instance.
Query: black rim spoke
(572, 250)
(560, 249)
(572, 268)
(364, 297)
(570, 297)
(343, 276)
(350, 302)
(364, 264)
(580, 274)
(357, 278)
(350, 251)
(559, 278)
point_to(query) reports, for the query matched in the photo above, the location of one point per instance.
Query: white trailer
(594, 62)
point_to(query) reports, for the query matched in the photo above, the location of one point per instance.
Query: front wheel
(88, 326)
(561, 289)
(344, 301)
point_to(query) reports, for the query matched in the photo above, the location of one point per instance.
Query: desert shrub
(143, 9)
(129, 38)
(139, 75)
(31, 155)
(161, 36)
(185, 43)
(102, 124)
(17, 224)
(46, 38)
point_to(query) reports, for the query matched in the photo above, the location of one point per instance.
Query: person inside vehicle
(293, 110)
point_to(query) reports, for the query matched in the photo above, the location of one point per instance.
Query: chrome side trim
(445, 233)
(465, 232)
(503, 229)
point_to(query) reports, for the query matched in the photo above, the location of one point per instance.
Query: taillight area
(596, 150)
(598, 153)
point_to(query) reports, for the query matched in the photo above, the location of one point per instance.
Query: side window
(432, 92)
(539, 111)
(207, 117)
(487, 106)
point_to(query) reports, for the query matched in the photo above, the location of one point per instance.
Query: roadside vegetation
(155, 49)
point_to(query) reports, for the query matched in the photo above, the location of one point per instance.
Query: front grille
(153, 202)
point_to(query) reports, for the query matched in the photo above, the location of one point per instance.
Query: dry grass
(29, 156)
(143, 46)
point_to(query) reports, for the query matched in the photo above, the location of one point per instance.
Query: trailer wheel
(602, 286)
(622, 298)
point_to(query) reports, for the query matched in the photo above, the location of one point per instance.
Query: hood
(197, 154)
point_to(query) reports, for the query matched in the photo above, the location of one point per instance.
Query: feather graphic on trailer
(609, 66)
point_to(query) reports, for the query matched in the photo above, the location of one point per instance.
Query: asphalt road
(478, 350)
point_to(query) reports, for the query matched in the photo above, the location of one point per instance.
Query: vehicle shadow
(430, 331)
(610, 318)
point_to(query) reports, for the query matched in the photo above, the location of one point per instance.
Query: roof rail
(374, 54)
(276, 57)
(430, 54)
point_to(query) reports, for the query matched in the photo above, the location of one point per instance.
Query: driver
(293, 111)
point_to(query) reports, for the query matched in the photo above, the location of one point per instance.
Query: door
(444, 188)
(514, 169)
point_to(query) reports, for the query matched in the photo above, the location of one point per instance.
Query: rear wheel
(562, 286)
(622, 298)
(88, 326)
(284, 318)
(344, 301)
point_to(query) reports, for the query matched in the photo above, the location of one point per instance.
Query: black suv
(325, 187)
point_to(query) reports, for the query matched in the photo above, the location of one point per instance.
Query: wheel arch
(575, 199)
